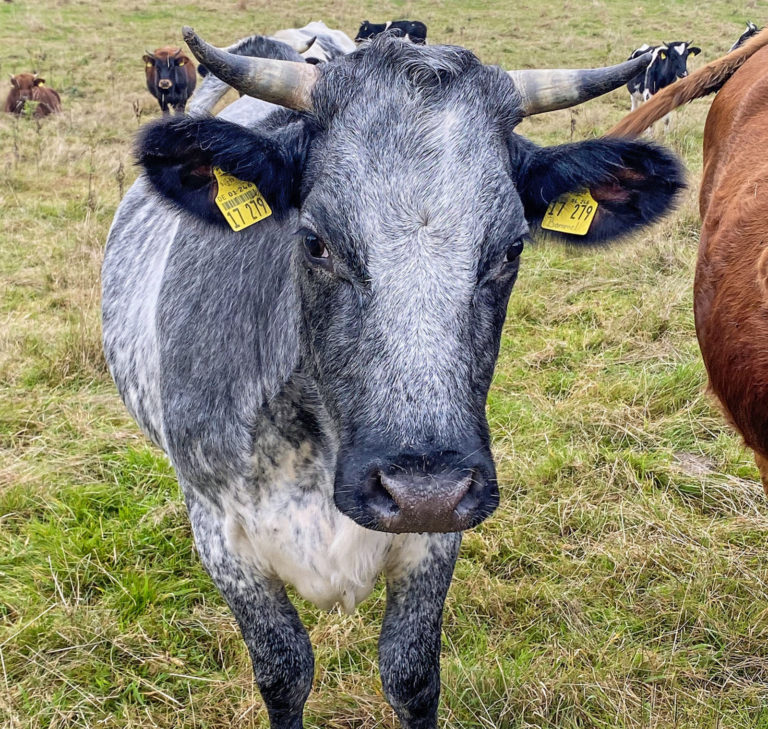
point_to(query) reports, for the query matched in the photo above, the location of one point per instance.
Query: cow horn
(303, 46)
(287, 83)
(548, 90)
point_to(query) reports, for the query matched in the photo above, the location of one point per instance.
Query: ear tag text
(240, 202)
(571, 213)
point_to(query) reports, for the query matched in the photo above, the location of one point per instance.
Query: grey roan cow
(319, 379)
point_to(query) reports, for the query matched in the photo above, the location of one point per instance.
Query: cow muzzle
(164, 84)
(444, 492)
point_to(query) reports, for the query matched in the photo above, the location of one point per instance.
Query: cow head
(408, 196)
(25, 83)
(367, 30)
(165, 68)
(674, 59)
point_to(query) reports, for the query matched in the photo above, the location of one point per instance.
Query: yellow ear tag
(571, 213)
(240, 202)
(662, 55)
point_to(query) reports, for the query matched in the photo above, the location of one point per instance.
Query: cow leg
(762, 466)
(418, 577)
(179, 108)
(283, 663)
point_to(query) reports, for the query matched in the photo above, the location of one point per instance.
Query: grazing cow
(668, 63)
(29, 87)
(730, 294)
(318, 378)
(314, 43)
(751, 30)
(171, 77)
(413, 30)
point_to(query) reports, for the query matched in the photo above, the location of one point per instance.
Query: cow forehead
(24, 80)
(436, 176)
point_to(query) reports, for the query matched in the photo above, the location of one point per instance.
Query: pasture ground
(623, 581)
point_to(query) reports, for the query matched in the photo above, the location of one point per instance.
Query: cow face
(165, 69)
(368, 30)
(408, 215)
(25, 84)
(674, 59)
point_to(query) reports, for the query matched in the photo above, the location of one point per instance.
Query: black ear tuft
(633, 182)
(178, 156)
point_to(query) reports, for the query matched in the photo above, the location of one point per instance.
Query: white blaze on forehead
(422, 264)
(680, 48)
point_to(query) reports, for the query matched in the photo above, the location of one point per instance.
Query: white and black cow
(412, 30)
(319, 378)
(668, 63)
(751, 30)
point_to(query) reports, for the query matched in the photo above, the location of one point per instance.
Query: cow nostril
(473, 496)
(378, 497)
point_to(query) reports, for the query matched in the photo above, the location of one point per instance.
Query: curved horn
(287, 83)
(548, 90)
(304, 46)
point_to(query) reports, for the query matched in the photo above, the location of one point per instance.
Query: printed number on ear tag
(240, 202)
(571, 213)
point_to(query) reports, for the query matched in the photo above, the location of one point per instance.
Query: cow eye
(514, 251)
(316, 251)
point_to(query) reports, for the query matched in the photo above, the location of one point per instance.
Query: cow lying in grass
(29, 88)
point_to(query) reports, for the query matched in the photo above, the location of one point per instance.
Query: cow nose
(418, 502)
(397, 497)
(164, 83)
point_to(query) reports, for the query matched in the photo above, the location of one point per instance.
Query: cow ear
(38, 81)
(632, 182)
(695, 50)
(147, 59)
(178, 156)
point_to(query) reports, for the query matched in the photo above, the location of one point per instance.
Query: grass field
(622, 584)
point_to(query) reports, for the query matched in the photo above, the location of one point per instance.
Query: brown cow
(730, 292)
(30, 87)
(171, 77)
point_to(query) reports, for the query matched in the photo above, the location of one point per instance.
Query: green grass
(623, 583)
